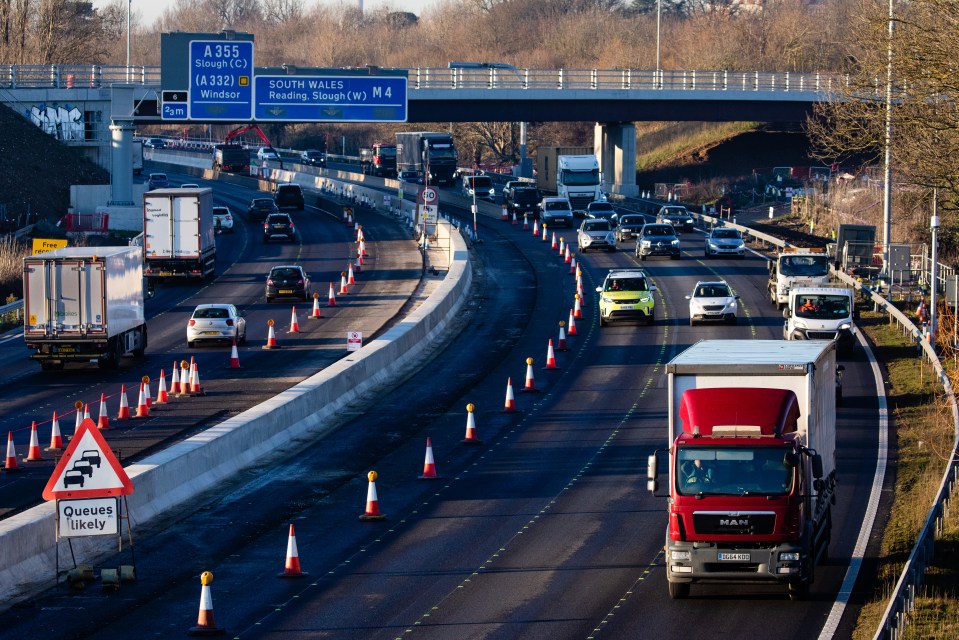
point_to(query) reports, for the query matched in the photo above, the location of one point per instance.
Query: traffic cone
(535, 228)
(530, 381)
(372, 513)
(504, 214)
(162, 395)
(185, 376)
(567, 257)
(579, 287)
(553, 244)
(143, 411)
(292, 568)
(429, 465)
(359, 232)
(86, 412)
(195, 387)
(146, 391)
(175, 379)
(316, 307)
(572, 264)
(510, 398)
(515, 221)
(103, 420)
(205, 625)
(470, 437)
(349, 274)
(11, 463)
(572, 324)
(545, 236)
(294, 325)
(561, 343)
(124, 412)
(56, 440)
(525, 222)
(331, 301)
(562, 246)
(362, 249)
(33, 453)
(234, 357)
(359, 256)
(343, 287)
(577, 309)
(550, 357)
(78, 405)
(579, 272)
(270, 339)
(359, 264)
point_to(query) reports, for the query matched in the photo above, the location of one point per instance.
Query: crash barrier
(903, 598)
(28, 549)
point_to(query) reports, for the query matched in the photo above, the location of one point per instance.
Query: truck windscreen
(822, 307)
(804, 265)
(581, 178)
(733, 471)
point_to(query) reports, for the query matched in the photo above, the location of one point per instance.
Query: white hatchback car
(219, 322)
(223, 219)
(267, 153)
(712, 301)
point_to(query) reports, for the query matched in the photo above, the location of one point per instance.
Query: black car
(288, 196)
(278, 225)
(657, 239)
(629, 225)
(313, 157)
(288, 281)
(522, 200)
(603, 211)
(260, 209)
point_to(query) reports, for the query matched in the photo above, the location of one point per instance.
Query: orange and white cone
(359, 258)
(515, 221)
(470, 437)
(78, 405)
(316, 307)
(270, 338)
(234, 357)
(195, 387)
(143, 410)
(535, 228)
(103, 420)
(205, 625)
(572, 264)
(572, 324)
(146, 391)
(561, 343)
(429, 465)
(86, 412)
(359, 233)
(344, 289)
(124, 412)
(567, 256)
(350, 279)
(579, 287)
(359, 264)
(510, 398)
(294, 325)
(550, 357)
(504, 214)
(545, 233)
(186, 376)
(562, 246)
(162, 395)
(33, 453)
(577, 309)
(525, 222)
(553, 244)
(372, 513)
(530, 380)
(292, 567)
(175, 380)
(11, 462)
(331, 299)
(362, 248)
(56, 440)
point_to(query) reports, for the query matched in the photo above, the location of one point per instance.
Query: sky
(150, 10)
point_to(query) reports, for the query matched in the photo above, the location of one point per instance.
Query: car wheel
(242, 339)
(269, 299)
(266, 240)
(642, 257)
(602, 321)
(692, 322)
(674, 256)
(190, 344)
(730, 319)
(705, 254)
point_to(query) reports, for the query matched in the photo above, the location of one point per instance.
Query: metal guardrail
(97, 76)
(903, 598)
(12, 313)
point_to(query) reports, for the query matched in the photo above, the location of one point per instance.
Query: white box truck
(179, 239)
(84, 304)
(751, 447)
(571, 173)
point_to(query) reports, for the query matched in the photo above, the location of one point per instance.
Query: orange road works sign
(88, 469)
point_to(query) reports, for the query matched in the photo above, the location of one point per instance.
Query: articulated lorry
(795, 267)
(426, 157)
(752, 463)
(571, 173)
(379, 160)
(822, 313)
(233, 158)
(84, 304)
(179, 240)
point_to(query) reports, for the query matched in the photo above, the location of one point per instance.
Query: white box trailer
(179, 239)
(84, 304)
(807, 368)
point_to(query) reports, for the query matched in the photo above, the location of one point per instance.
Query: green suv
(626, 294)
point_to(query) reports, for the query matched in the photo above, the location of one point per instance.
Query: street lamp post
(934, 275)
(129, 3)
(659, 14)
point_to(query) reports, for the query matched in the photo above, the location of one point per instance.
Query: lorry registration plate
(66, 350)
(286, 291)
(734, 557)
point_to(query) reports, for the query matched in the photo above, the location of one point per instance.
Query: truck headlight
(789, 556)
(845, 326)
(680, 555)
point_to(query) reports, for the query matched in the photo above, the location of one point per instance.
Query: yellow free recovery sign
(42, 245)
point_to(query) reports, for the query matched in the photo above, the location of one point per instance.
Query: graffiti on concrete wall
(63, 122)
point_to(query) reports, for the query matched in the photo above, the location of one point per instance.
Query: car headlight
(845, 326)
(492, 192)
(607, 299)
(689, 221)
(731, 304)
(713, 245)
(675, 243)
(645, 298)
(646, 243)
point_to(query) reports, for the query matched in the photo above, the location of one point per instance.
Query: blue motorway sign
(221, 80)
(336, 98)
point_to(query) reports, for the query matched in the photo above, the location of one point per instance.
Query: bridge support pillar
(615, 143)
(121, 132)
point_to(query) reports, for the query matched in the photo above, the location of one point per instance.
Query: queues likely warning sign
(88, 469)
(90, 517)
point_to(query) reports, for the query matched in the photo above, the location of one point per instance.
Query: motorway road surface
(544, 531)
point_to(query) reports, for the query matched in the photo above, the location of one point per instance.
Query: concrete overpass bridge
(97, 107)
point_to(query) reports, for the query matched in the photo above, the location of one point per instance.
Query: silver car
(555, 211)
(712, 301)
(219, 322)
(223, 219)
(725, 241)
(596, 234)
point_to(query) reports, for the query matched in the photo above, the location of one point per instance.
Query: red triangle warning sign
(88, 469)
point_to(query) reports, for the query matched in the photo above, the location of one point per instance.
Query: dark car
(288, 197)
(278, 226)
(158, 181)
(629, 225)
(676, 215)
(260, 208)
(313, 157)
(154, 143)
(523, 200)
(657, 239)
(288, 281)
(602, 210)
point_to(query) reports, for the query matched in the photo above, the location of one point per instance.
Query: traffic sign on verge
(88, 469)
(221, 86)
(91, 517)
(354, 340)
(429, 195)
(334, 98)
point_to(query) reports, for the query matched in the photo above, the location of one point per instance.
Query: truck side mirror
(786, 313)
(817, 471)
(652, 483)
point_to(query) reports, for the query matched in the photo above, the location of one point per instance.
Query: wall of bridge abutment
(615, 146)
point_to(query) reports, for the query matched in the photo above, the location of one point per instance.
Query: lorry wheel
(139, 351)
(692, 322)
(678, 590)
(798, 591)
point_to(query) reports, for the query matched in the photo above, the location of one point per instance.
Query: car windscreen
(598, 225)
(557, 206)
(658, 231)
(525, 196)
(711, 291)
(480, 182)
(631, 221)
(725, 233)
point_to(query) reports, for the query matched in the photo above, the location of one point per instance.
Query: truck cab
(822, 313)
(578, 180)
(796, 267)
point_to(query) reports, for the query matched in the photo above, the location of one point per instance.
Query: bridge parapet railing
(45, 76)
